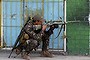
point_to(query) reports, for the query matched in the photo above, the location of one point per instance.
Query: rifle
(58, 22)
(56, 25)
(19, 37)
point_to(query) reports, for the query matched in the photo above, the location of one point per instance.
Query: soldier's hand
(44, 27)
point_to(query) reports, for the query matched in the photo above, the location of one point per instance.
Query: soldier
(34, 33)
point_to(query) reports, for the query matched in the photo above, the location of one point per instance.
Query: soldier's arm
(29, 30)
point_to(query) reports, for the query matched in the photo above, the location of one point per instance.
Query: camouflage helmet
(37, 17)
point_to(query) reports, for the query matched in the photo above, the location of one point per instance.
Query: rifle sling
(59, 31)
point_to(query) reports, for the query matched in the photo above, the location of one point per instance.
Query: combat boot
(25, 56)
(17, 51)
(46, 54)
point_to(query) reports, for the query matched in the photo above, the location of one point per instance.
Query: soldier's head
(38, 20)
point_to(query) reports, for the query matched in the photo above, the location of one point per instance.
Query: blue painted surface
(54, 14)
(12, 26)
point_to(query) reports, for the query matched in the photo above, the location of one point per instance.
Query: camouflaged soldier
(34, 33)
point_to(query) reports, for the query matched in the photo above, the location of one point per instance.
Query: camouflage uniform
(34, 38)
(31, 39)
(45, 40)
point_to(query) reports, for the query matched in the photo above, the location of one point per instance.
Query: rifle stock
(17, 40)
(19, 37)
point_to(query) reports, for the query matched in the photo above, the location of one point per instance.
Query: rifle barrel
(10, 54)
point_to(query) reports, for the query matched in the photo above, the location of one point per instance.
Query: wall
(13, 19)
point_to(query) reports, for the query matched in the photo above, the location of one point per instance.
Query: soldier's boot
(17, 51)
(25, 56)
(46, 54)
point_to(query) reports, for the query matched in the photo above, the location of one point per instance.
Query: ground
(36, 56)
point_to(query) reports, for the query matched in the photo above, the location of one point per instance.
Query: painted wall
(78, 33)
(11, 25)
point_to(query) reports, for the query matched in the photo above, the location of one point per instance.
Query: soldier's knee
(35, 42)
(28, 41)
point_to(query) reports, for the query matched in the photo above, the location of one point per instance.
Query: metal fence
(78, 38)
(78, 30)
(15, 13)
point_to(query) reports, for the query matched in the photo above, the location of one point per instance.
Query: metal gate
(78, 30)
(15, 14)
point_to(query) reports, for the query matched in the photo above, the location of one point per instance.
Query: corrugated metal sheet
(15, 10)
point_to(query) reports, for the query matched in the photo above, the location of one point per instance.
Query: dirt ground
(36, 56)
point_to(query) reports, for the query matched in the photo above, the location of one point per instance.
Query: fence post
(89, 27)
(65, 25)
(1, 23)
